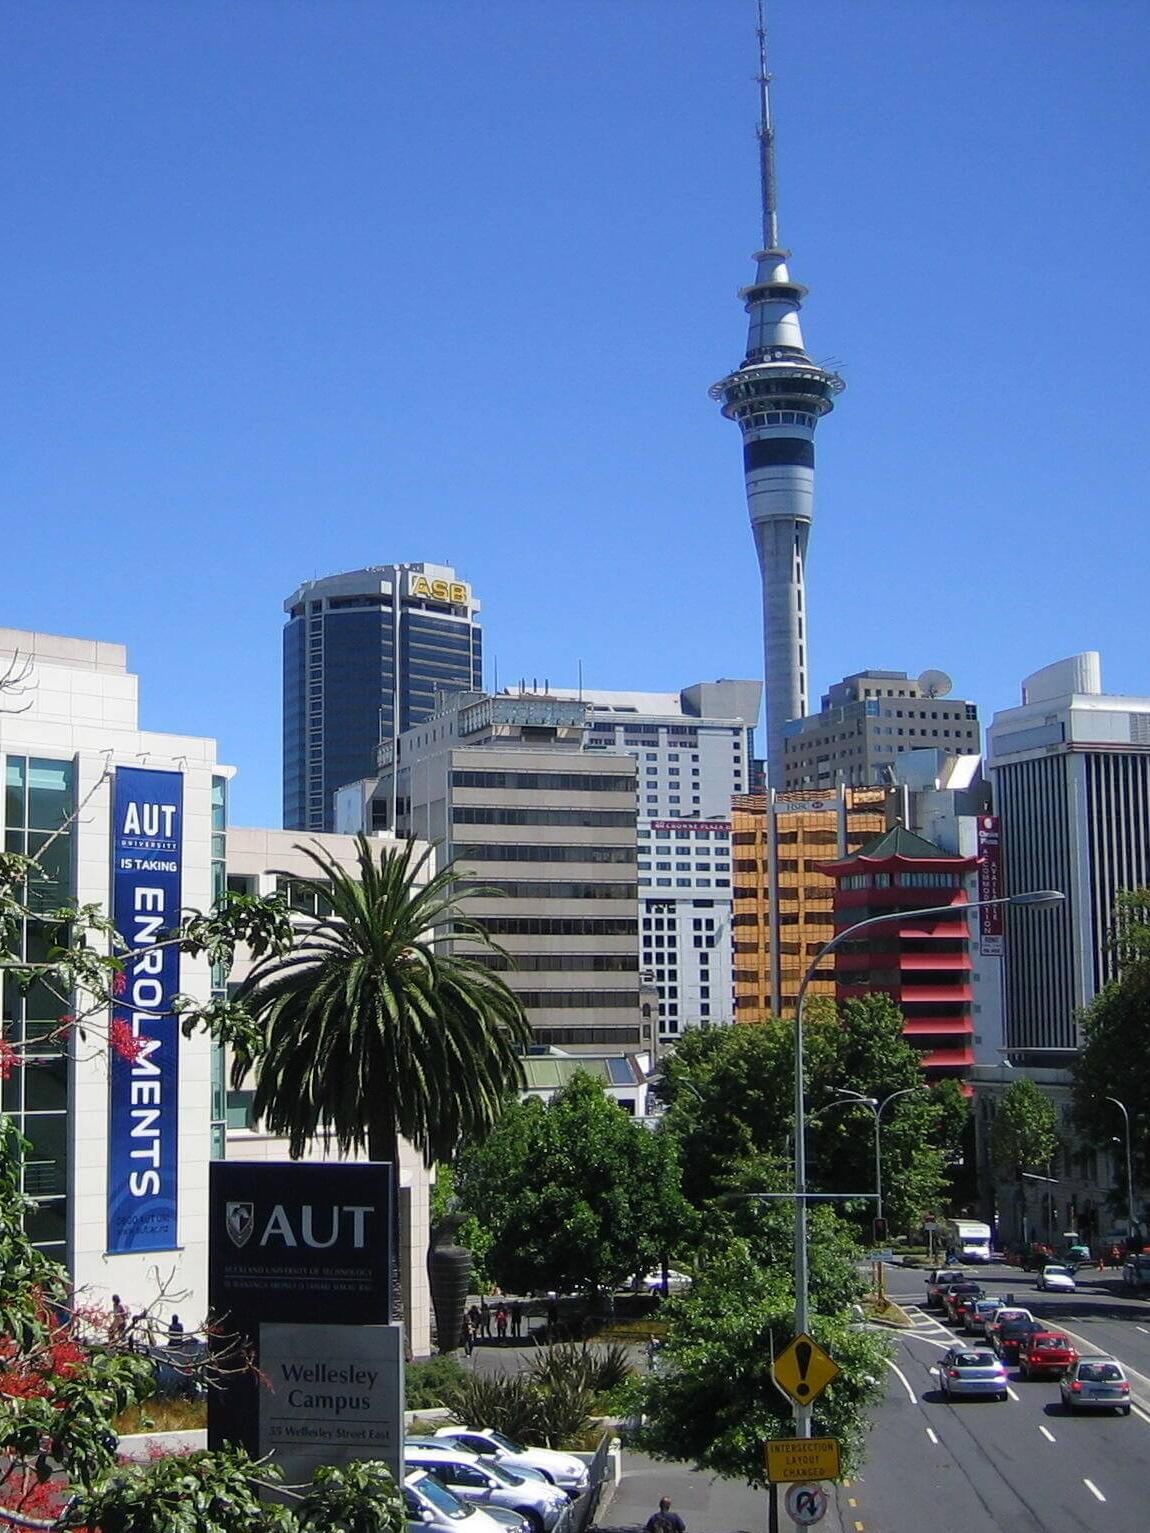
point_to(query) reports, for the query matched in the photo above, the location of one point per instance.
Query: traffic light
(879, 1231)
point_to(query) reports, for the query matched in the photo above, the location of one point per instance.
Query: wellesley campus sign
(300, 1278)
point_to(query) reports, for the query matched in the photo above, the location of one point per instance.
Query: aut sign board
(290, 1244)
(791, 1460)
(803, 1370)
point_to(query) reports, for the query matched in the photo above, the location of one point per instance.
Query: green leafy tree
(1023, 1137)
(576, 1194)
(713, 1401)
(731, 1105)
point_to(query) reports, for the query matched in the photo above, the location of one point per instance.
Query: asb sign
(143, 1107)
(438, 590)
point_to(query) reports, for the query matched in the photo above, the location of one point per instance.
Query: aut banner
(143, 1108)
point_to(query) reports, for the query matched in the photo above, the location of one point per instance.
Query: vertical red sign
(990, 929)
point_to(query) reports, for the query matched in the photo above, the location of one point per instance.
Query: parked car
(1096, 1383)
(939, 1280)
(431, 1508)
(677, 1282)
(483, 1481)
(1055, 1278)
(1047, 1354)
(564, 1469)
(980, 1314)
(972, 1371)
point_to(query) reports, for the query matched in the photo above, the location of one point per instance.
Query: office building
(1071, 773)
(125, 804)
(367, 655)
(543, 829)
(693, 751)
(777, 396)
(924, 966)
(868, 721)
(783, 901)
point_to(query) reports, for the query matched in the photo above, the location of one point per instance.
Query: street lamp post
(1121, 1106)
(888, 918)
(877, 1108)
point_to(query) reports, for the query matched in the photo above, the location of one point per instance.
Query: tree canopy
(1023, 1135)
(576, 1195)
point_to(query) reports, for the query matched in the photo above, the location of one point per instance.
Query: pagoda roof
(897, 848)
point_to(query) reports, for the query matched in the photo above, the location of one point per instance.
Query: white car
(485, 1481)
(431, 1508)
(562, 1469)
(1056, 1279)
(677, 1282)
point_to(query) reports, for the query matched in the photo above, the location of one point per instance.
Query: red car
(1046, 1353)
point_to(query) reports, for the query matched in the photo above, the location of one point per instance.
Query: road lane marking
(1093, 1489)
(905, 1381)
(930, 1434)
(1143, 1329)
(1047, 1433)
(1011, 1393)
(1138, 1411)
(852, 1501)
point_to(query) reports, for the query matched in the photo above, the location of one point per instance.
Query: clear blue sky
(295, 286)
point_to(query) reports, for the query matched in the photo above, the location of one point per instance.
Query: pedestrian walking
(654, 1347)
(552, 1316)
(665, 1520)
(484, 1318)
(469, 1332)
(119, 1319)
(175, 1332)
(501, 1323)
(516, 1318)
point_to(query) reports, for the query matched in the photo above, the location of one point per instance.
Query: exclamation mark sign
(803, 1358)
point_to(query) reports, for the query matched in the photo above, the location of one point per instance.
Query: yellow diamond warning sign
(804, 1370)
(794, 1460)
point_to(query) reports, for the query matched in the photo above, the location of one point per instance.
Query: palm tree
(371, 1031)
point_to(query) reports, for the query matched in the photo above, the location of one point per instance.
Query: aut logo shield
(239, 1221)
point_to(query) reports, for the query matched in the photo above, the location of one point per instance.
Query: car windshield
(1058, 1272)
(502, 1473)
(1051, 1343)
(974, 1360)
(442, 1499)
(505, 1443)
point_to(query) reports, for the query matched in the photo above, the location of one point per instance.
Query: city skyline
(316, 287)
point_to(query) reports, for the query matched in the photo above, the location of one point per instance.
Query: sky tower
(777, 396)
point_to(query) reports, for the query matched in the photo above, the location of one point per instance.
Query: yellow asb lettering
(439, 590)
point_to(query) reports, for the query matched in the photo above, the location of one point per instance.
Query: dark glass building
(367, 655)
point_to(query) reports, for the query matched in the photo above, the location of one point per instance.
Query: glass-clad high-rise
(365, 655)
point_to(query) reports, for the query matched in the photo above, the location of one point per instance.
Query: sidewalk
(706, 1504)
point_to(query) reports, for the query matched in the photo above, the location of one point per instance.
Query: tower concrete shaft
(777, 397)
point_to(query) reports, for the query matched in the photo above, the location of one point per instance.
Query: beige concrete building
(870, 719)
(544, 830)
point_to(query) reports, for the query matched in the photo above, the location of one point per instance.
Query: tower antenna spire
(767, 144)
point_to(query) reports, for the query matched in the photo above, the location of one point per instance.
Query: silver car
(1095, 1384)
(485, 1482)
(431, 1508)
(563, 1468)
(967, 1371)
(979, 1315)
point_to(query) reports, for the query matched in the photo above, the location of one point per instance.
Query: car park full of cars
(484, 1481)
(563, 1469)
(1096, 1383)
(430, 1507)
(972, 1371)
(1046, 1354)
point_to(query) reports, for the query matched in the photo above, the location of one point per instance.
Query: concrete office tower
(693, 751)
(1071, 772)
(366, 655)
(777, 397)
(544, 831)
(869, 720)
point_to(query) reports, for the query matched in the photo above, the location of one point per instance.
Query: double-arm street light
(888, 918)
(877, 1108)
(1121, 1106)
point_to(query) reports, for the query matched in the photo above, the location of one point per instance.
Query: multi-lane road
(1019, 1466)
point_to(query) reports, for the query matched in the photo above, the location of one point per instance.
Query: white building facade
(693, 752)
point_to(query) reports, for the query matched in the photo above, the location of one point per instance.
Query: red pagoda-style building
(924, 967)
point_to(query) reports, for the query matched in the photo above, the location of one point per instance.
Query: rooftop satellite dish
(935, 683)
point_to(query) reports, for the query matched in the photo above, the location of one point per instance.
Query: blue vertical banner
(144, 1062)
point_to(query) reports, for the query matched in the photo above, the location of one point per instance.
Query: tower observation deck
(777, 397)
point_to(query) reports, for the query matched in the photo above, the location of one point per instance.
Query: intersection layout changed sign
(794, 1460)
(803, 1370)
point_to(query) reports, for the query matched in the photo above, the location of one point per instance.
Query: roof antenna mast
(767, 145)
